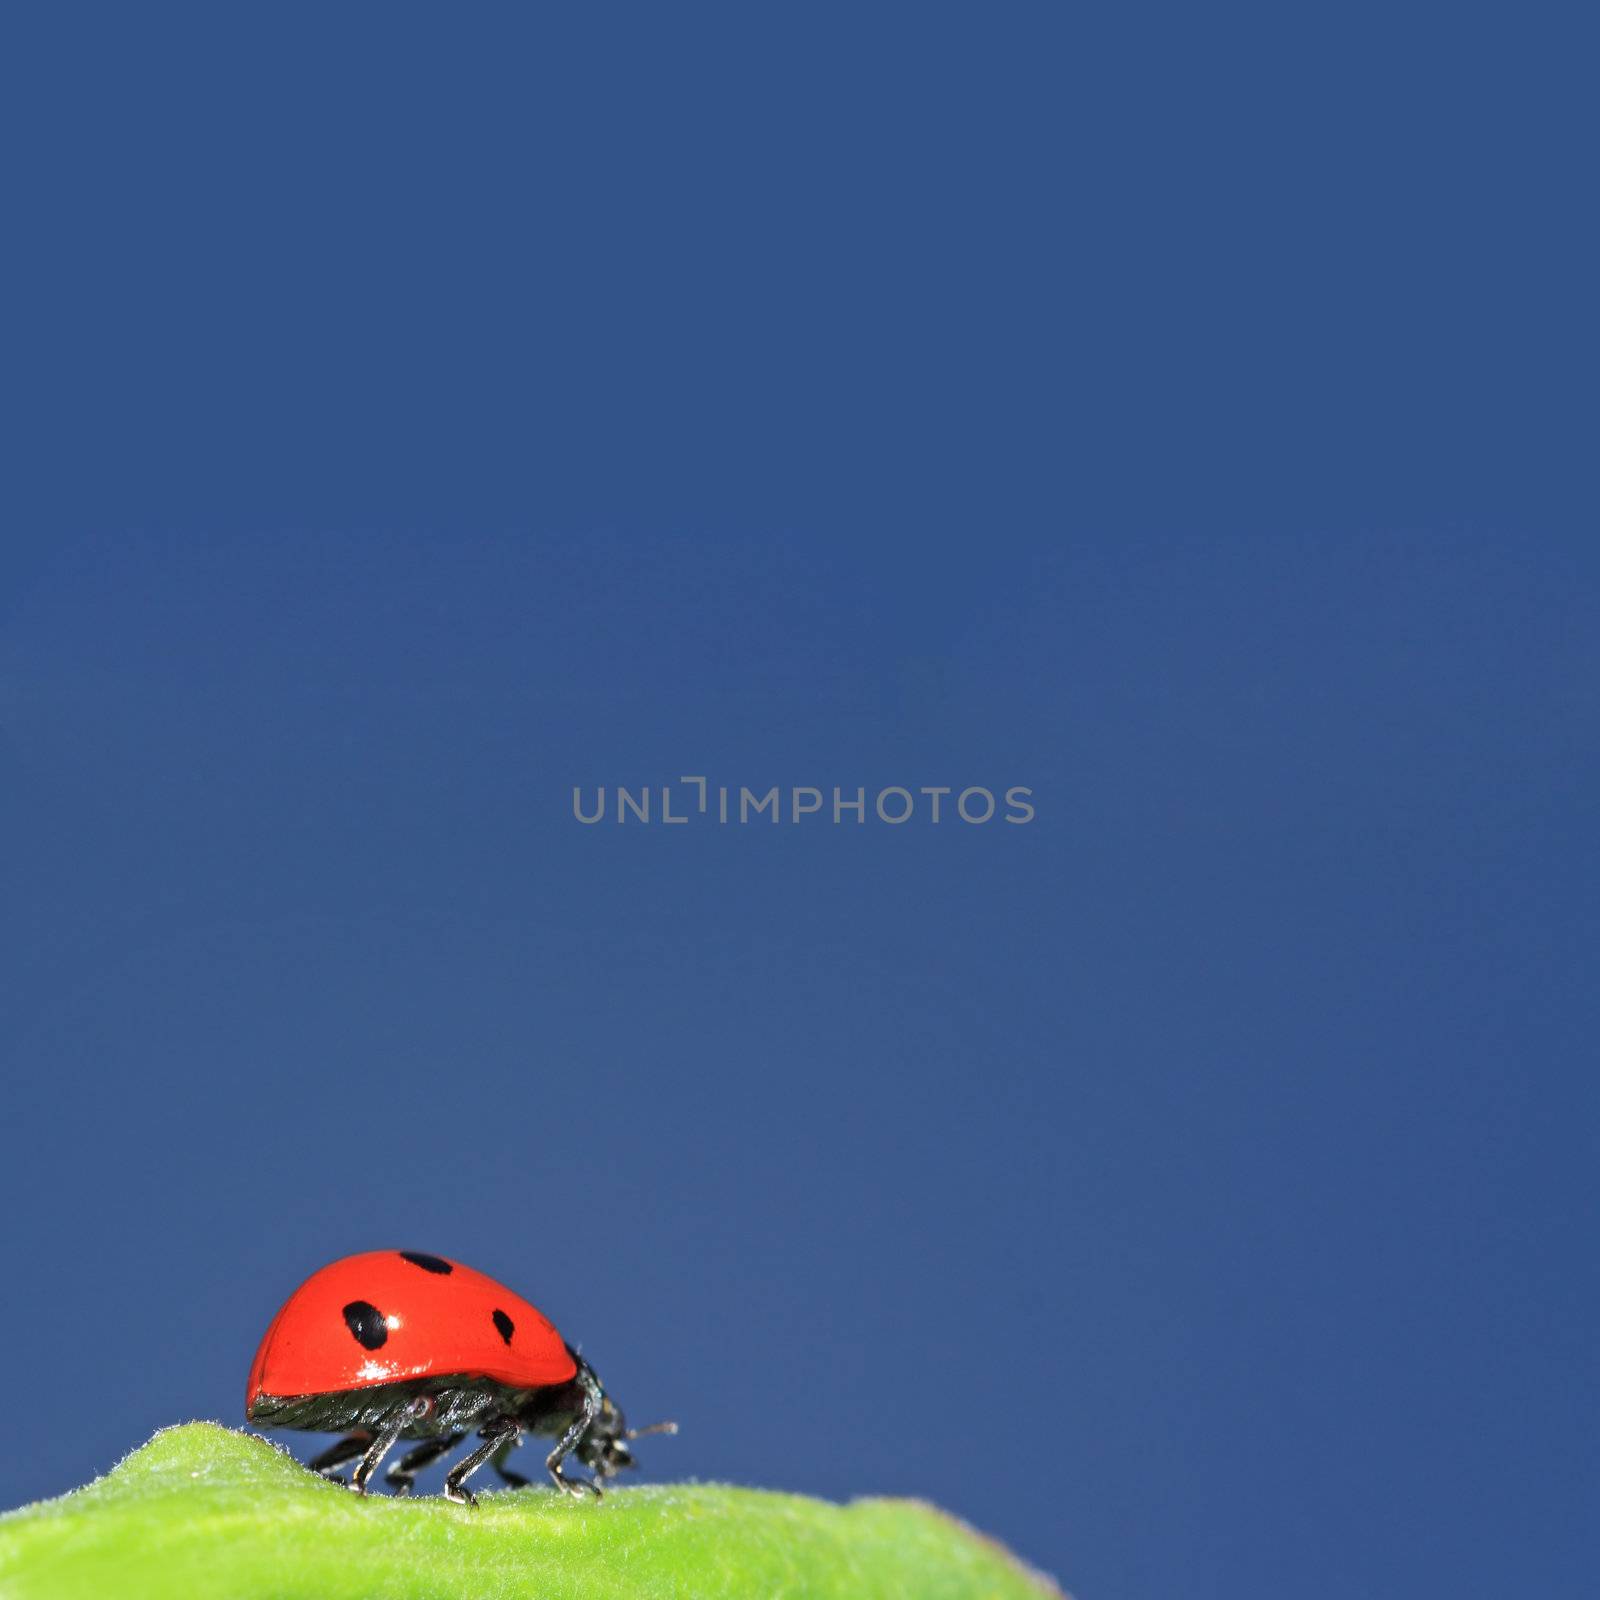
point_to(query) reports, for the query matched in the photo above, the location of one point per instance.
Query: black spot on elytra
(428, 1263)
(504, 1323)
(366, 1322)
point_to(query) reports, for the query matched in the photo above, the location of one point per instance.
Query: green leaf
(203, 1511)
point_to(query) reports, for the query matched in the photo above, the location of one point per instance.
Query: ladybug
(398, 1344)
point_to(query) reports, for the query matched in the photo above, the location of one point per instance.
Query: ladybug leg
(377, 1450)
(593, 1400)
(498, 1433)
(512, 1480)
(403, 1473)
(347, 1449)
(396, 1423)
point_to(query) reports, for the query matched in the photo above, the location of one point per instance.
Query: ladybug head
(604, 1448)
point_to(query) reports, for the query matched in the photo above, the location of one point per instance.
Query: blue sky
(1194, 1186)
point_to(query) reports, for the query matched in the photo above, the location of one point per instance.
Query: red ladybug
(395, 1344)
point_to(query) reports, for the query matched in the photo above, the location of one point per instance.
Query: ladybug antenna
(655, 1427)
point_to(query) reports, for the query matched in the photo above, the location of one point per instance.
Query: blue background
(1187, 415)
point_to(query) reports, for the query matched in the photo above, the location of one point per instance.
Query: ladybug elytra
(398, 1344)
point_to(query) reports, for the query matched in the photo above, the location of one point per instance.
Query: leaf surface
(202, 1511)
